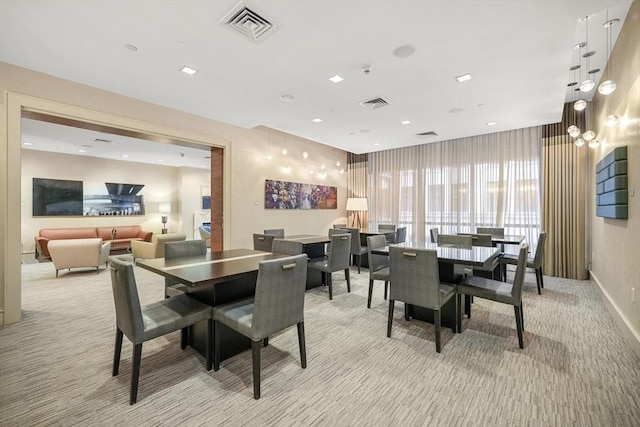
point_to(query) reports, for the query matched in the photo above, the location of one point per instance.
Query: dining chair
(498, 291)
(401, 235)
(277, 232)
(455, 241)
(338, 259)
(278, 304)
(378, 264)
(434, 235)
(180, 249)
(144, 323)
(205, 234)
(333, 231)
(262, 242)
(493, 231)
(415, 280)
(357, 250)
(339, 225)
(535, 262)
(387, 229)
(288, 247)
(492, 271)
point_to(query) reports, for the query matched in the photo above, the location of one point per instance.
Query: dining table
(214, 278)
(476, 256)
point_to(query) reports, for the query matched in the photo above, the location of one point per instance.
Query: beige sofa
(155, 248)
(79, 253)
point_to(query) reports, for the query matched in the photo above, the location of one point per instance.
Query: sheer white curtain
(489, 180)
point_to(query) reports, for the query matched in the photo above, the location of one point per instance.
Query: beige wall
(245, 162)
(615, 242)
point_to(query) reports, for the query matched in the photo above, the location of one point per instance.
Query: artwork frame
(287, 195)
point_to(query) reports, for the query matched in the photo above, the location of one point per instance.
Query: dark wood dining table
(214, 278)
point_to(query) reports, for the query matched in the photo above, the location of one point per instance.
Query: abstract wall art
(295, 195)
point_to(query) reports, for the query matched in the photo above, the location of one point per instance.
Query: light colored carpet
(575, 369)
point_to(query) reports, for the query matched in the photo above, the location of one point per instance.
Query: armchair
(155, 248)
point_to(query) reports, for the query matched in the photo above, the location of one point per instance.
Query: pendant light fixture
(269, 156)
(611, 120)
(608, 86)
(587, 85)
(573, 131)
(284, 145)
(580, 104)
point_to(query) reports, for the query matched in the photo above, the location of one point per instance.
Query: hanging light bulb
(573, 130)
(611, 120)
(587, 85)
(589, 135)
(607, 87)
(593, 144)
(284, 151)
(305, 154)
(338, 163)
(269, 156)
(579, 142)
(580, 105)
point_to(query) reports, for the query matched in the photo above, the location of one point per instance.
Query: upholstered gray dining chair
(338, 259)
(415, 280)
(535, 262)
(455, 241)
(401, 235)
(434, 235)
(357, 250)
(278, 304)
(339, 225)
(378, 264)
(493, 231)
(288, 247)
(498, 291)
(185, 248)
(263, 242)
(144, 323)
(388, 229)
(276, 232)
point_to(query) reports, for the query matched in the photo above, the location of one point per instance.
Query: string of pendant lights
(587, 85)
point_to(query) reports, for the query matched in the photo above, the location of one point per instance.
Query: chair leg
(255, 355)
(216, 346)
(370, 293)
(522, 315)
(539, 280)
(348, 277)
(209, 343)
(467, 306)
(184, 337)
(459, 312)
(390, 319)
(437, 319)
(517, 309)
(330, 285)
(454, 328)
(117, 351)
(359, 263)
(386, 289)
(407, 317)
(302, 345)
(265, 342)
(135, 373)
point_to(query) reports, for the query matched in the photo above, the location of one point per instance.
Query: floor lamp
(357, 205)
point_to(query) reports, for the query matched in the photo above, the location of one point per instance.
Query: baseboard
(631, 336)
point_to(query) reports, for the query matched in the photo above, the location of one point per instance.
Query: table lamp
(357, 205)
(165, 209)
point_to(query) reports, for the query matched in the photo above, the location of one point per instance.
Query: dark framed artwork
(612, 198)
(56, 197)
(295, 195)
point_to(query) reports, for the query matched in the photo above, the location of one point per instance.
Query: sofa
(79, 253)
(119, 236)
(154, 248)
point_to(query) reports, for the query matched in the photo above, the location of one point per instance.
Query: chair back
(184, 248)
(289, 247)
(434, 235)
(414, 276)
(279, 297)
(482, 240)
(355, 240)
(277, 232)
(125, 296)
(386, 227)
(205, 232)
(455, 240)
(332, 231)
(160, 240)
(494, 231)
(262, 242)
(376, 261)
(340, 252)
(339, 225)
(401, 235)
(537, 259)
(518, 281)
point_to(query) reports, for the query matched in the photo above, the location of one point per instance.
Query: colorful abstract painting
(294, 195)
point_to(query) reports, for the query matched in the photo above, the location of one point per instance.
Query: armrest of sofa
(42, 246)
(145, 235)
(142, 249)
(105, 250)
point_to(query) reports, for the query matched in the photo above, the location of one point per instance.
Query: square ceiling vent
(375, 103)
(247, 21)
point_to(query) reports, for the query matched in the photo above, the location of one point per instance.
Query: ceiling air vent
(249, 23)
(103, 141)
(375, 103)
(426, 134)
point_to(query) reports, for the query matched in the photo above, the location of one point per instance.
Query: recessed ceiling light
(404, 51)
(464, 77)
(376, 143)
(492, 123)
(406, 122)
(316, 120)
(456, 110)
(287, 98)
(336, 79)
(161, 161)
(27, 143)
(364, 130)
(188, 70)
(125, 156)
(202, 166)
(82, 151)
(131, 47)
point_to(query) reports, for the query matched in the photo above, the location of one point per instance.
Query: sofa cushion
(70, 233)
(122, 232)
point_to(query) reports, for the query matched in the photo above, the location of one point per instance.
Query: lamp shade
(164, 207)
(357, 204)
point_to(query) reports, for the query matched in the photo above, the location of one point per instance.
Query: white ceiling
(518, 52)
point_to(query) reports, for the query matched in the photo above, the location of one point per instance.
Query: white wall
(191, 181)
